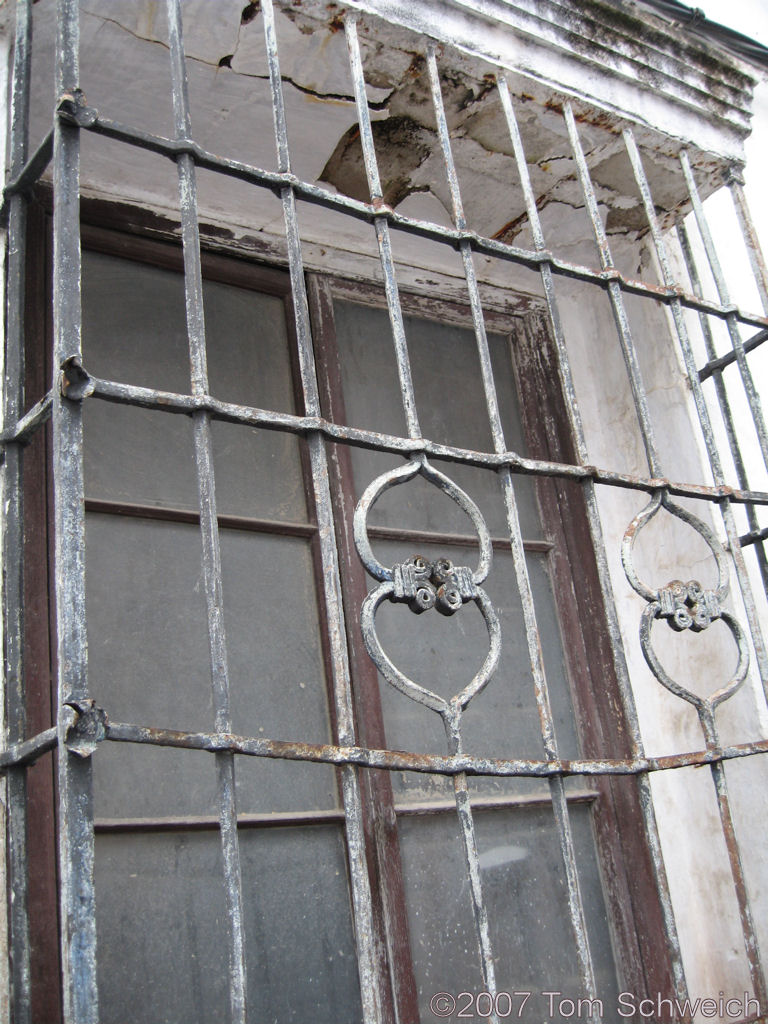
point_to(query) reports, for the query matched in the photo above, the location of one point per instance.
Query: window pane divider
(174, 514)
(13, 532)
(285, 819)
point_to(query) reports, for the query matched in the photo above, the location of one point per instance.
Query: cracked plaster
(231, 115)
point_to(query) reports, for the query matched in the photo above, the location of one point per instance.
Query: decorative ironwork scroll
(424, 586)
(684, 605)
(691, 606)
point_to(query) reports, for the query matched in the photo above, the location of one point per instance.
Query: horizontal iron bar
(28, 751)
(172, 402)
(23, 429)
(331, 816)
(30, 173)
(433, 764)
(754, 537)
(88, 118)
(730, 357)
(390, 760)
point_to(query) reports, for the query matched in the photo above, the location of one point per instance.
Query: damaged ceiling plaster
(231, 116)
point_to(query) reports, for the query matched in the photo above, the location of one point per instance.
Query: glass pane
(524, 891)
(139, 456)
(451, 407)
(258, 473)
(298, 925)
(277, 675)
(134, 331)
(161, 927)
(150, 663)
(134, 323)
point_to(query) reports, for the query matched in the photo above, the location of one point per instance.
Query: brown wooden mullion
(39, 643)
(380, 822)
(172, 514)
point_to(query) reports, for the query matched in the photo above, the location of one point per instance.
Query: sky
(749, 17)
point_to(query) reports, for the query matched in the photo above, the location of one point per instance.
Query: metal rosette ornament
(425, 586)
(685, 606)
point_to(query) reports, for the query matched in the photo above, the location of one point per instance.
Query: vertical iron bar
(13, 538)
(209, 530)
(557, 788)
(617, 299)
(598, 542)
(731, 319)
(370, 990)
(382, 228)
(76, 845)
(706, 713)
(722, 398)
(756, 971)
(676, 309)
(735, 183)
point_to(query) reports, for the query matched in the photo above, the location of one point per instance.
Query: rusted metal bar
(596, 531)
(750, 388)
(751, 946)
(23, 429)
(75, 817)
(171, 402)
(13, 529)
(389, 760)
(209, 530)
(617, 302)
(681, 330)
(535, 654)
(28, 751)
(25, 176)
(722, 396)
(90, 120)
(381, 224)
(706, 708)
(720, 362)
(754, 537)
(735, 182)
(370, 993)
(430, 764)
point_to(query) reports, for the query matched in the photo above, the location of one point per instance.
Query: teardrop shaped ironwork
(684, 605)
(425, 585)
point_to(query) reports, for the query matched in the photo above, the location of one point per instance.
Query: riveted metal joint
(76, 383)
(85, 726)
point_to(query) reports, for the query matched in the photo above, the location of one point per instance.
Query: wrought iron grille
(424, 585)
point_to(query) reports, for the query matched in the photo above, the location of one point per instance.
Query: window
(161, 908)
(261, 451)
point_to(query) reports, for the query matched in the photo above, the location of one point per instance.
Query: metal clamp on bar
(73, 108)
(85, 726)
(76, 382)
